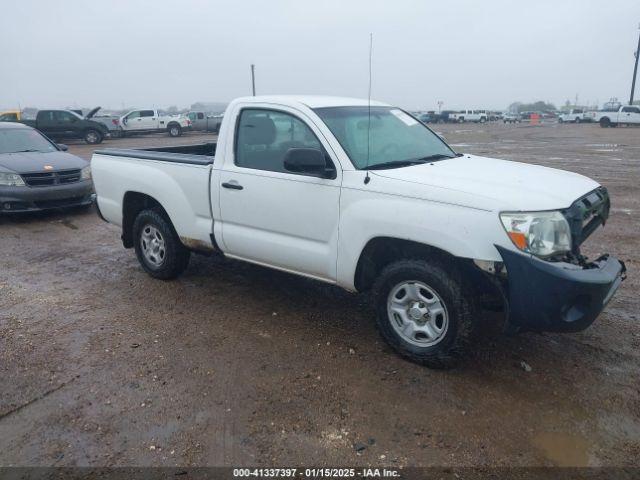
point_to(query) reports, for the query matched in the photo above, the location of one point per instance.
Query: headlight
(11, 180)
(85, 174)
(540, 233)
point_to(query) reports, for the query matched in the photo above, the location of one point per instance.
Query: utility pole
(253, 79)
(635, 71)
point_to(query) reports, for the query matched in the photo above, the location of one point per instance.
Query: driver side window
(263, 138)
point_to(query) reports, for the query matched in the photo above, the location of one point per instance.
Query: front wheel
(425, 313)
(158, 247)
(175, 130)
(578, 120)
(92, 137)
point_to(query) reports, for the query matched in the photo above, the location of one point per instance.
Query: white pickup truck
(152, 121)
(477, 116)
(369, 198)
(625, 115)
(575, 115)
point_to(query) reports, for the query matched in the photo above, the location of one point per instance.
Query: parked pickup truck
(469, 116)
(575, 115)
(625, 115)
(152, 121)
(62, 124)
(370, 199)
(205, 122)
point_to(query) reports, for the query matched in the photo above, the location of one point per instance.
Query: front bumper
(32, 199)
(558, 297)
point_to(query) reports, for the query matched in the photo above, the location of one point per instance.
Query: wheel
(461, 120)
(482, 120)
(174, 130)
(158, 247)
(578, 120)
(605, 122)
(560, 120)
(92, 137)
(425, 313)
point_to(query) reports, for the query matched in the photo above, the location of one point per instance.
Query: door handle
(233, 186)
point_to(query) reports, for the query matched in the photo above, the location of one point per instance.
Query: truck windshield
(392, 139)
(14, 140)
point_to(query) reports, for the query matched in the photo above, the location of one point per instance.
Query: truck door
(630, 115)
(65, 124)
(148, 120)
(270, 215)
(133, 121)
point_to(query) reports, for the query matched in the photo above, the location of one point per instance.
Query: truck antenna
(367, 179)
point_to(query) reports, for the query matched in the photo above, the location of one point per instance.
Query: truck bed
(199, 154)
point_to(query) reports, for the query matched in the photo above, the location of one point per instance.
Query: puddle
(563, 449)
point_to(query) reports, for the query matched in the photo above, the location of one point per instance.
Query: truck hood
(92, 113)
(491, 184)
(34, 162)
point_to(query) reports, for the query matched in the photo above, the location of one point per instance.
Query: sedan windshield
(14, 140)
(390, 139)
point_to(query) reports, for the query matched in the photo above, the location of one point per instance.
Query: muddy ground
(235, 364)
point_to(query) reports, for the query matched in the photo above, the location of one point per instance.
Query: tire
(560, 120)
(174, 130)
(605, 122)
(461, 120)
(171, 257)
(483, 120)
(92, 137)
(578, 120)
(457, 316)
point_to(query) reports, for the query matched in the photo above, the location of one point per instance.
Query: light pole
(253, 79)
(635, 71)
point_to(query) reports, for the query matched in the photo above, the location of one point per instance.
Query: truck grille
(586, 214)
(46, 179)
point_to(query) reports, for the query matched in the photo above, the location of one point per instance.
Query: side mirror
(62, 147)
(309, 161)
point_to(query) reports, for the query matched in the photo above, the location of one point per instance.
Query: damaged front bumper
(557, 296)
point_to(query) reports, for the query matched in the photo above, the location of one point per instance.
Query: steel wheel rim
(153, 245)
(417, 313)
(174, 131)
(92, 137)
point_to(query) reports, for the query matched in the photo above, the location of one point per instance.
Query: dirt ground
(235, 364)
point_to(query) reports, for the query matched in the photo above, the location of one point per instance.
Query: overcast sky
(466, 53)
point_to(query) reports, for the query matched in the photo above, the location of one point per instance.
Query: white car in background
(575, 115)
(478, 116)
(153, 121)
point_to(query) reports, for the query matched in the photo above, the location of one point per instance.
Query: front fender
(461, 231)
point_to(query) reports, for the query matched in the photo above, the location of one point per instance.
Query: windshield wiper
(437, 156)
(28, 151)
(396, 164)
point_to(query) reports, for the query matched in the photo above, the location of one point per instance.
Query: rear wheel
(425, 313)
(461, 120)
(92, 137)
(578, 120)
(560, 120)
(158, 247)
(605, 122)
(174, 130)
